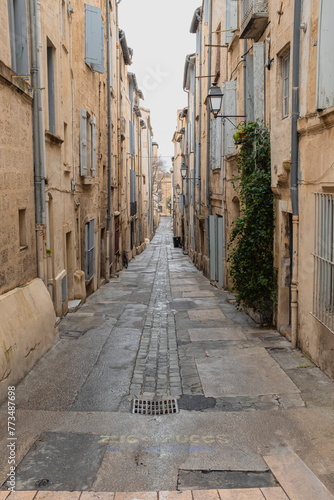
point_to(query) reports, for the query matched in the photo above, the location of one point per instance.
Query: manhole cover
(149, 407)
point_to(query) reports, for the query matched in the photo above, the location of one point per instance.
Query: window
(111, 59)
(17, 18)
(323, 293)
(51, 87)
(87, 144)
(206, 11)
(66, 146)
(286, 83)
(94, 39)
(90, 249)
(160, 208)
(159, 197)
(23, 229)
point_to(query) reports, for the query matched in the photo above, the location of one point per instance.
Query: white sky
(158, 32)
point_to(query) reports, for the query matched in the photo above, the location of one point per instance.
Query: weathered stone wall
(17, 263)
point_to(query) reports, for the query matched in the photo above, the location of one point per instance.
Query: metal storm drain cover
(149, 407)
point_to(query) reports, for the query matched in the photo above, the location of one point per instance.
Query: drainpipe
(200, 121)
(120, 155)
(294, 172)
(109, 142)
(208, 134)
(245, 78)
(39, 137)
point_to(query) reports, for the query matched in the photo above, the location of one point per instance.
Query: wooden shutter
(231, 22)
(93, 161)
(325, 63)
(259, 73)
(83, 142)
(94, 39)
(230, 109)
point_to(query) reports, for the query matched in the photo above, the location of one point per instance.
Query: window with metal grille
(323, 290)
(286, 83)
(90, 249)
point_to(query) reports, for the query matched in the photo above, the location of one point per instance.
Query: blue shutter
(99, 67)
(93, 161)
(230, 109)
(231, 19)
(259, 74)
(111, 60)
(132, 138)
(250, 88)
(198, 162)
(83, 142)
(325, 64)
(18, 32)
(94, 41)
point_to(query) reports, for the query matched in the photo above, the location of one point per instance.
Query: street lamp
(178, 189)
(183, 170)
(215, 98)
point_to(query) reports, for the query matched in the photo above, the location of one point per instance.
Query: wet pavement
(247, 401)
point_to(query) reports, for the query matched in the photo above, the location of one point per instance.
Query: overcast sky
(158, 32)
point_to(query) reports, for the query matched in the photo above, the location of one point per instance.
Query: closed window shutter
(230, 109)
(325, 63)
(83, 142)
(231, 19)
(213, 143)
(93, 167)
(17, 14)
(250, 87)
(99, 67)
(259, 72)
(198, 162)
(111, 60)
(94, 40)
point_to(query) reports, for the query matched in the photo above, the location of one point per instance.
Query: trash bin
(177, 241)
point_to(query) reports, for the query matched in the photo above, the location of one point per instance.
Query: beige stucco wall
(27, 331)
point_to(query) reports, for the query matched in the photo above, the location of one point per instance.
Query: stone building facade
(272, 61)
(71, 165)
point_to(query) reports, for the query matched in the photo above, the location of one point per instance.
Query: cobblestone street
(248, 403)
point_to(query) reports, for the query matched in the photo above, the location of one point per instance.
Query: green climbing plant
(251, 244)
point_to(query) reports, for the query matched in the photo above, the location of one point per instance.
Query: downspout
(200, 123)
(245, 78)
(39, 137)
(208, 120)
(108, 259)
(120, 156)
(294, 172)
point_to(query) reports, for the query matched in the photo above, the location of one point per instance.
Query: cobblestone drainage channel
(153, 407)
(224, 479)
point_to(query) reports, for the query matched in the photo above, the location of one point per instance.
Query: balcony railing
(254, 18)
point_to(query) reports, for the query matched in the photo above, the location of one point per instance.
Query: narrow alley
(248, 417)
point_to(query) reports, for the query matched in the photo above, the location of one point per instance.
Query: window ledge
(55, 139)
(23, 247)
(88, 180)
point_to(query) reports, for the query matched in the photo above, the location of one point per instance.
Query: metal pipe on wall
(109, 142)
(294, 171)
(208, 134)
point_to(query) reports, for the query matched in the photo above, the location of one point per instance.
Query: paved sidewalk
(246, 399)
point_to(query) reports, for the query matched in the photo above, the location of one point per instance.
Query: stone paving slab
(243, 372)
(204, 315)
(214, 334)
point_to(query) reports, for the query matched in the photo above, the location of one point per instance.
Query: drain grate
(149, 407)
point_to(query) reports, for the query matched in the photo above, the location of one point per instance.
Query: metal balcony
(254, 18)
